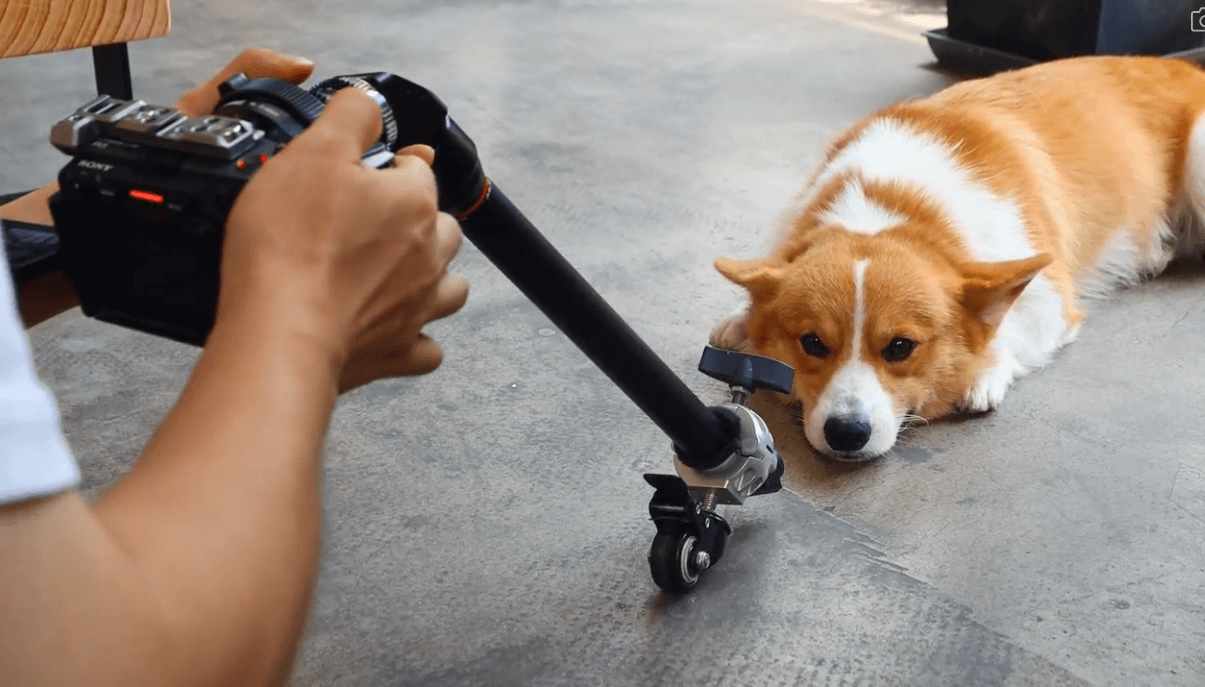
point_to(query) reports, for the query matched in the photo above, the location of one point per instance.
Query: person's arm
(196, 568)
(33, 207)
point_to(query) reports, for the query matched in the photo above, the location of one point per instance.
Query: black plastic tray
(977, 59)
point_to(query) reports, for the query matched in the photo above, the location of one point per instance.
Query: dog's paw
(989, 390)
(730, 333)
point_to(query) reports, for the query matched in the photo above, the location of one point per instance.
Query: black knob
(746, 370)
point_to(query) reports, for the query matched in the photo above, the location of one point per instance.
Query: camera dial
(389, 132)
(285, 110)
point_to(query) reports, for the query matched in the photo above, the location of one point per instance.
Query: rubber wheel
(670, 561)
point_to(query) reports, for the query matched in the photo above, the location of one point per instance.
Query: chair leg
(112, 66)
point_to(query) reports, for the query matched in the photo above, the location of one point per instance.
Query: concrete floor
(486, 525)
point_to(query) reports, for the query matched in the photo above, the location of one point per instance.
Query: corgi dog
(947, 245)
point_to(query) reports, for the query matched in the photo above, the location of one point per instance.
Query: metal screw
(702, 560)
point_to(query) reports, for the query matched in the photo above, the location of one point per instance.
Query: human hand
(388, 274)
(358, 257)
(255, 63)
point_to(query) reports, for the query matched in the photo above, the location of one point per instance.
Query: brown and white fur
(946, 245)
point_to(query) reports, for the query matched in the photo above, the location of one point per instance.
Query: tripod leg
(701, 436)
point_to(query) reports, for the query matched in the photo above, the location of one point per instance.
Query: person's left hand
(255, 63)
(52, 293)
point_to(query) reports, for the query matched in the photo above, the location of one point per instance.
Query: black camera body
(142, 205)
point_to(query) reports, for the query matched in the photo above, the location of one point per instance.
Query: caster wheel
(673, 560)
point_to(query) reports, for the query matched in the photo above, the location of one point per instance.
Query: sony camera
(142, 205)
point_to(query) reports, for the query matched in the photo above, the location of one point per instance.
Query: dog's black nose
(846, 434)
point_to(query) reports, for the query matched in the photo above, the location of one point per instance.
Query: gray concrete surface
(486, 525)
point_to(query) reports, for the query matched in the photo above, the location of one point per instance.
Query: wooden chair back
(29, 27)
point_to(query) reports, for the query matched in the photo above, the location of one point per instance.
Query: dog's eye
(813, 346)
(899, 349)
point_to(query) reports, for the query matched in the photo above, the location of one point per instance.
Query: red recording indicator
(146, 195)
(242, 163)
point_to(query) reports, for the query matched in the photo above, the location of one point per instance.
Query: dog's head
(878, 330)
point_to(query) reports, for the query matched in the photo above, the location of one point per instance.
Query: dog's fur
(972, 223)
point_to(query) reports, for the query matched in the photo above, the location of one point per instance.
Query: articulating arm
(723, 454)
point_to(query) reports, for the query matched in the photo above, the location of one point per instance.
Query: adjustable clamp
(691, 535)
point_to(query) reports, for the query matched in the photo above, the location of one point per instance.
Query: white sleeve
(34, 457)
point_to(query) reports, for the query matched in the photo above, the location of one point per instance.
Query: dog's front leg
(731, 333)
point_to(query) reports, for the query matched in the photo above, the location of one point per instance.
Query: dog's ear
(989, 289)
(760, 277)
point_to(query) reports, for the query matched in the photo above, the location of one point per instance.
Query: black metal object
(988, 37)
(1150, 27)
(112, 66)
(1052, 29)
(971, 58)
(976, 59)
(747, 371)
(522, 253)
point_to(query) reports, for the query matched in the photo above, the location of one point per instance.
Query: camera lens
(389, 131)
(281, 109)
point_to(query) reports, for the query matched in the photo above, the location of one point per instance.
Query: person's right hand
(356, 258)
